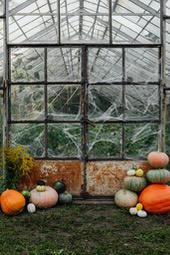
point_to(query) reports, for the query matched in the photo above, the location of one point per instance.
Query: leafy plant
(18, 163)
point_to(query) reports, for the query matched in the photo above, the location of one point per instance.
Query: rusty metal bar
(84, 116)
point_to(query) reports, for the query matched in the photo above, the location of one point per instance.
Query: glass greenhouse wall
(86, 80)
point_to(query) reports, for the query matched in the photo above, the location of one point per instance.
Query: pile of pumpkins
(146, 192)
(13, 202)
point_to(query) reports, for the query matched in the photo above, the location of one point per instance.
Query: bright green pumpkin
(65, 198)
(135, 183)
(158, 176)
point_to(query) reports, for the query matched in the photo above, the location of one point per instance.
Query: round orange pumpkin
(12, 202)
(156, 198)
(158, 159)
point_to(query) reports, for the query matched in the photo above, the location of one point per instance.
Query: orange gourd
(158, 159)
(156, 198)
(12, 202)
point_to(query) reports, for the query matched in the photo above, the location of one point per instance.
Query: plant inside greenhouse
(85, 126)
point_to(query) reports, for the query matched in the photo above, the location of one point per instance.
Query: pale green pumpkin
(158, 176)
(135, 183)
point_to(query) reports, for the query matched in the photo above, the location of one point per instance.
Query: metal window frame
(84, 82)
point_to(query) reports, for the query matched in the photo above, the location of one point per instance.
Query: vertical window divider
(46, 103)
(123, 103)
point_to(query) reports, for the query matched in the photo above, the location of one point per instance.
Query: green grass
(83, 230)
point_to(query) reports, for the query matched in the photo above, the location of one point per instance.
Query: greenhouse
(85, 86)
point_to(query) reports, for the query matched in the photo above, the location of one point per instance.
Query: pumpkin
(134, 183)
(142, 213)
(158, 176)
(133, 211)
(125, 198)
(158, 159)
(59, 186)
(40, 188)
(156, 198)
(65, 198)
(26, 193)
(12, 202)
(31, 208)
(139, 206)
(139, 172)
(131, 172)
(44, 199)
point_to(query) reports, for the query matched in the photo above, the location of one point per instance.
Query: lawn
(84, 229)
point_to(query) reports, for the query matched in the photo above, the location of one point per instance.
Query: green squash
(26, 193)
(135, 183)
(59, 186)
(158, 176)
(65, 198)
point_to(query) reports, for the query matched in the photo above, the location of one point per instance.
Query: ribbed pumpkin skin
(65, 198)
(44, 199)
(158, 159)
(134, 183)
(12, 202)
(156, 198)
(158, 176)
(125, 198)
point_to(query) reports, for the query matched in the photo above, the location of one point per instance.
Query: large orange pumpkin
(12, 202)
(156, 198)
(158, 159)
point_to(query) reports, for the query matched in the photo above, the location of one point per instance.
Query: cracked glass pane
(1, 52)
(27, 64)
(29, 135)
(142, 102)
(64, 140)
(140, 139)
(142, 65)
(105, 65)
(105, 102)
(64, 64)
(167, 126)
(27, 102)
(167, 52)
(104, 140)
(64, 102)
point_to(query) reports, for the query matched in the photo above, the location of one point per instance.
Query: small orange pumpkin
(158, 159)
(156, 198)
(12, 202)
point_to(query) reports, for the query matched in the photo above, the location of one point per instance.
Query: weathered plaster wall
(103, 177)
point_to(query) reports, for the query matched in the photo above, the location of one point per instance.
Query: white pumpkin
(131, 172)
(31, 208)
(133, 211)
(142, 214)
(125, 198)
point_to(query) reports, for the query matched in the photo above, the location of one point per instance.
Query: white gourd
(142, 214)
(133, 210)
(131, 172)
(31, 208)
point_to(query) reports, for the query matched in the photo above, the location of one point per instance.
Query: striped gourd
(134, 183)
(158, 176)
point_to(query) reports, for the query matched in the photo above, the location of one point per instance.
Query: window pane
(105, 64)
(105, 102)
(142, 65)
(167, 49)
(27, 102)
(140, 139)
(64, 64)
(29, 135)
(142, 102)
(105, 140)
(64, 102)
(64, 140)
(167, 126)
(1, 53)
(27, 64)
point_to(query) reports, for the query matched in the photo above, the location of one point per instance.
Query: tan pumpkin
(125, 198)
(12, 202)
(44, 199)
(158, 159)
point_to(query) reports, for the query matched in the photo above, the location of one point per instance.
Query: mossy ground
(84, 230)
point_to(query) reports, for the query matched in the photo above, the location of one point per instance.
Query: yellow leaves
(18, 160)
